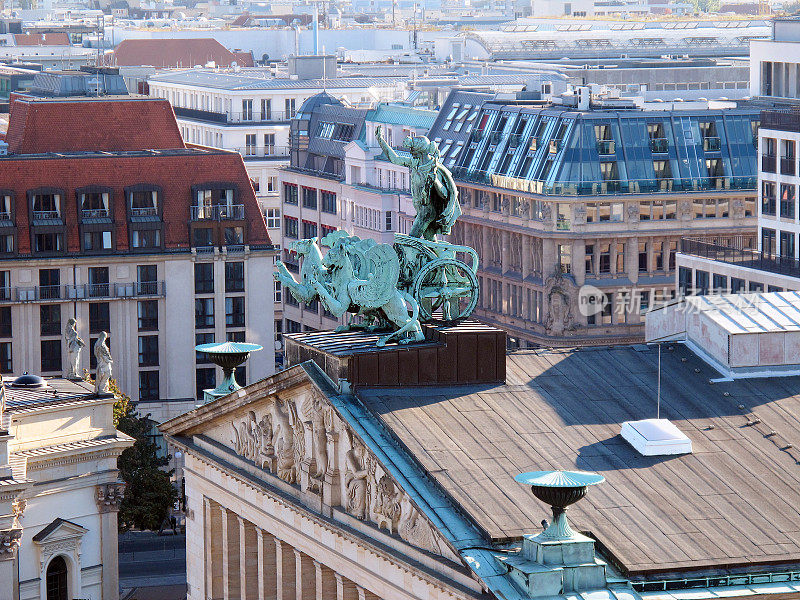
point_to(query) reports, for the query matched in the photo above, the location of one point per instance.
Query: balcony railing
(144, 211)
(45, 214)
(94, 213)
(712, 144)
(731, 252)
(659, 145)
(222, 212)
(788, 166)
(609, 187)
(58, 293)
(5, 216)
(256, 116)
(255, 152)
(606, 147)
(768, 163)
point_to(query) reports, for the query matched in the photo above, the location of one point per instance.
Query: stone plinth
(469, 352)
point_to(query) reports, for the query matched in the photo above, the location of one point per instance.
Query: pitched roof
(38, 126)
(732, 503)
(56, 524)
(175, 53)
(41, 39)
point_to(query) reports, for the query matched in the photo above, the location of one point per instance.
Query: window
(605, 258)
(328, 202)
(46, 206)
(272, 184)
(787, 244)
(99, 317)
(6, 365)
(768, 198)
(50, 319)
(234, 311)
(277, 291)
(720, 284)
(147, 311)
(565, 258)
(6, 243)
(756, 287)
(289, 105)
(49, 284)
(388, 220)
(203, 236)
(234, 236)
(266, 109)
(234, 276)
(293, 326)
(620, 258)
(143, 203)
(290, 193)
(56, 579)
(768, 241)
(51, 355)
(148, 350)
(273, 217)
(5, 321)
(589, 259)
(247, 110)
(309, 198)
(146, 238)
(309, 229)
(325, 130)
(343, 132)
(290, 227)
(643, 257)
(203, 313)
(203, 278)
(269, 144)
(96, 240)
(327, 230)
(235, 336)
(205, 379)
(202, 338)
(701, 282)
(148, 386)
(787, 201)
(99, 286)
(250, 144)
(94, 205)
(738, 285)
(48, 242)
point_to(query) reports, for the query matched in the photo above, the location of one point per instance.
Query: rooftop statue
(394, 287)
(433, 191)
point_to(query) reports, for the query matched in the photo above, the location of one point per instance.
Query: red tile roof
(41, 39)
(175, 173)
(42, 125)
(173, 53)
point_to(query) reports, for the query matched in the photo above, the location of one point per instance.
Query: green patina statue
(433, 190)
(394, 287)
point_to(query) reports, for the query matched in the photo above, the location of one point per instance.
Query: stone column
(108, 497)
(285, 571)
(248, 560)
(9, 547)
(326, 582)
(231, 589)
(526, 256)
(305, 576)
(267, 581)
(505, 242)
(212, 529)
(345, 589)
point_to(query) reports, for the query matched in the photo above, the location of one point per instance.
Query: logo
(591, 301)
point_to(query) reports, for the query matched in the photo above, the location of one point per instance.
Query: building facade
(569, 203)
(59, 493)
(132, 233)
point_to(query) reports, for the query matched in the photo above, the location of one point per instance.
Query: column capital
(10, 540)
(108, 496)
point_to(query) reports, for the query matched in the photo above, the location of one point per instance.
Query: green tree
(149, 493)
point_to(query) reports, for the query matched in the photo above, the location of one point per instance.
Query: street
(152, 567)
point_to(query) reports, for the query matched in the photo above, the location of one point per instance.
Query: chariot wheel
(447, 284)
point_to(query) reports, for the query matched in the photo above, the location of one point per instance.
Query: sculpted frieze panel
(302, 441)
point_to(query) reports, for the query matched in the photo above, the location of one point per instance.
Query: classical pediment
(288, 427)
(58, 530)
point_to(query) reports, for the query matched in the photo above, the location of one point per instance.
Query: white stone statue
(103, 356)
(74, 346)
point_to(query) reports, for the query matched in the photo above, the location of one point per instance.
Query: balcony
(232, 118)
(222, 212)
(768, 163)
(94, 213)
(262, 152)
(60, 293)
(733, 252)
(98, 290)
(44, 215)
(606, 147)
(788, 166)
(659, 145)
(144, 211)
(5, 216)
(712, 144)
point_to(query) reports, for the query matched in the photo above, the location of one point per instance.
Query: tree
(149, 493)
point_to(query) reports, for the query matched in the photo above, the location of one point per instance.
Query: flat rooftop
(731, 505)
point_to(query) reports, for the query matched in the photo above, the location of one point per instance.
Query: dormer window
(143, 203)
(94, 205)
(217, 203)
(5, 207)
(144, 217)
(46, 206)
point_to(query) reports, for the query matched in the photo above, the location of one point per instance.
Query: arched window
(57, 579)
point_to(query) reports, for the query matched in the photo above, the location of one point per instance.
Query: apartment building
(108, 217)
(339, 179)
(584, 198)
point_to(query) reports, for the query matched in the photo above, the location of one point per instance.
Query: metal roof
(393, 114)
(262, 79)
(771, 312)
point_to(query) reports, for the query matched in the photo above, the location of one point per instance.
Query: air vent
(28, 381)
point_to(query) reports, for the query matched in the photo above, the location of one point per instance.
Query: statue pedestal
(467, 352)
